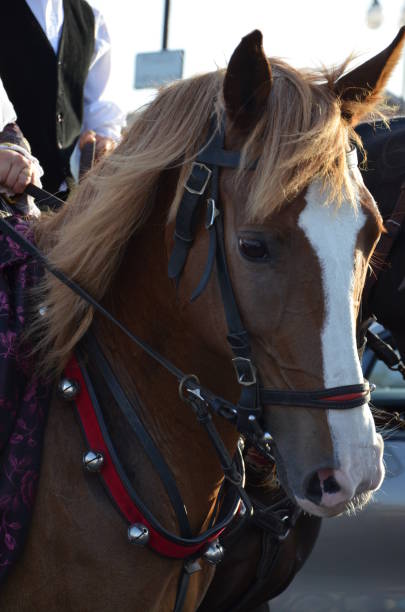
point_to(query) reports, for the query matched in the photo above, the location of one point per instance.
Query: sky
(306, 33)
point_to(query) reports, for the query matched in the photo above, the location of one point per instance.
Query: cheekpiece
(93, 461)
(68, 388)
(214, 553)
(138, 534)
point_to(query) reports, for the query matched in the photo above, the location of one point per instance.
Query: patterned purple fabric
(24, 400)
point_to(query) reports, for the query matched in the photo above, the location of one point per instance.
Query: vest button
(60, 144)
(59, 117)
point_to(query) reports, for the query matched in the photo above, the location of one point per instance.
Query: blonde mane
(301, 135)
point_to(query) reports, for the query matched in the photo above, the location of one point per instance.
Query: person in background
(55, 64)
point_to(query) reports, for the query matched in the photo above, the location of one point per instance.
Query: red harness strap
(346, 397)
(112, 481)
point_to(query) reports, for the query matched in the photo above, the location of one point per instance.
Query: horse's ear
(360, 89)
(247, 82)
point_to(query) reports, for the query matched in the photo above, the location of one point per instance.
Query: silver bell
(68, 388)
(93, 461)
(214, 553)
(138, 534)
(267, 438)
(42, 311)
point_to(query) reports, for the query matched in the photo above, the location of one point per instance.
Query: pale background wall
(305, 32)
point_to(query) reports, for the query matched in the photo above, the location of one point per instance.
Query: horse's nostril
(330, 485)
(319, 483)
(314, 489)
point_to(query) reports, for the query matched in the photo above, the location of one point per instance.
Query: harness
(201, 189)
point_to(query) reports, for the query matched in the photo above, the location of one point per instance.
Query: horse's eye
(253, 249)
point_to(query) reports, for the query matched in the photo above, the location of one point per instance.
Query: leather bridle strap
(186, 223)
(116, 392)
(248, 408)
(336, 398)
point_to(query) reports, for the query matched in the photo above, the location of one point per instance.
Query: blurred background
(304, 32)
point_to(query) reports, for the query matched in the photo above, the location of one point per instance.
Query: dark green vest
(47, 89)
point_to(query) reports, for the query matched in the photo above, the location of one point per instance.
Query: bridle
(204, 178)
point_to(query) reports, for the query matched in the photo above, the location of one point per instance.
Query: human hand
(16, 171)
(104, 144)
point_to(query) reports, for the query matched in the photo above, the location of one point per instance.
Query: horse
(262, 151)
(244, 581)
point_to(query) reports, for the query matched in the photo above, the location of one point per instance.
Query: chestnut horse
(244, 582)
(293, 229)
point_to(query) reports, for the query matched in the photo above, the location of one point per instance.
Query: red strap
(111, 478)
(344, 398)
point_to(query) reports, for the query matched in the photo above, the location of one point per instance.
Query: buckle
(193, 389)
(212, 213)
(200, 167)
(245, 371)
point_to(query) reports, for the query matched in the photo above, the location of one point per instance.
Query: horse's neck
(145, 300)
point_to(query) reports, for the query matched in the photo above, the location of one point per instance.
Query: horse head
(299, 232)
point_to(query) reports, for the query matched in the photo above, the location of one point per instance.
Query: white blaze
(332, 232)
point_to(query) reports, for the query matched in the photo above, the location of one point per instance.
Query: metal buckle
(203, 188)
(245, 371)
(212, 213)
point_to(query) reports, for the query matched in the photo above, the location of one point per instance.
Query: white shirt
(7, 112)
(101, 113)
(7, 115)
